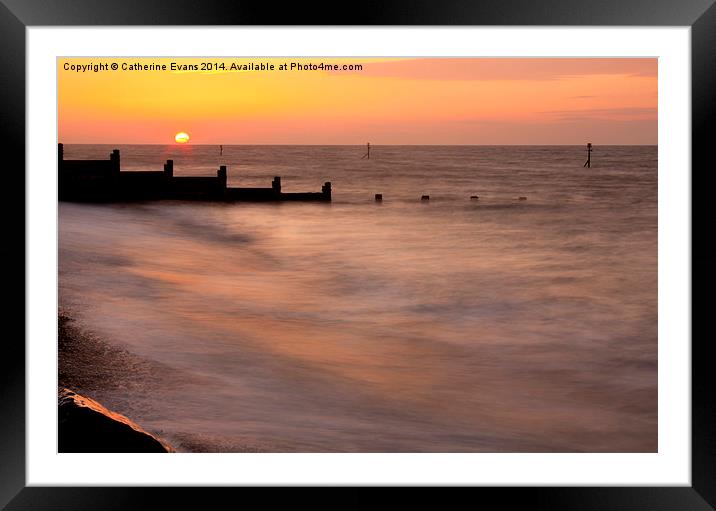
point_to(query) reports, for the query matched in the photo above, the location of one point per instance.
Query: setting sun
(181, 137)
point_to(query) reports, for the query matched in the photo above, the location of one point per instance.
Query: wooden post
(425, 197)
(367, 154)
(169, 169)
(588, 163)
(326, 190)
(276, 184)
(114, 158)
(378, 197)
(221, 174)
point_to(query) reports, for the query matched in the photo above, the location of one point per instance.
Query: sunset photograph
(355, 255)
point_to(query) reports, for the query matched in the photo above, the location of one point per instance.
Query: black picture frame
(17, 15)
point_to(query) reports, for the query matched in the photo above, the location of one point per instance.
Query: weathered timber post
(367, 155)
(326, 190)
(168, 177)
(425, 197)
(588, 163)
(114, 158)
(276, 185)
(378, 197)
(221, 174)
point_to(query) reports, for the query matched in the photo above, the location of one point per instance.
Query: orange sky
(390, 101)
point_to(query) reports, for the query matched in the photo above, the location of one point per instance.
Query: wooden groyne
(104, 181)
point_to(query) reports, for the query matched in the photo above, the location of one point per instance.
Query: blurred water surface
(455, 325)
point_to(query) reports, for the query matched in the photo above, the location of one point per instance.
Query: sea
(454, 324)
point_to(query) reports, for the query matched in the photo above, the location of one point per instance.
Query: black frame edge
(369, 12)
(12, 250)
(543, 499)
(703, 112)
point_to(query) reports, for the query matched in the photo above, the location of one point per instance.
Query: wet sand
(117, 378)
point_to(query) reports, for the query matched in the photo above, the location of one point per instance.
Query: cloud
(625, 113)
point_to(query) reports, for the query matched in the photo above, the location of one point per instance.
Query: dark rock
(84, 425)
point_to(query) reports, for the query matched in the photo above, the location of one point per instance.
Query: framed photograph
(442, 246)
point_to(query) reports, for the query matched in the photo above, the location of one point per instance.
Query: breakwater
(104, 181)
